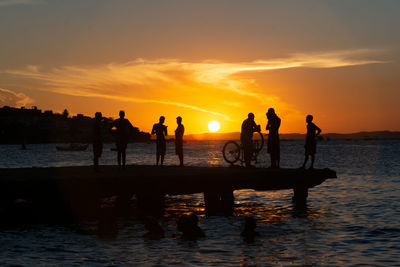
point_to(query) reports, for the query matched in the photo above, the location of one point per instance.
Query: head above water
(179, 119)
(309, 118)
(122, 114)
(250, 116)
(162, 119)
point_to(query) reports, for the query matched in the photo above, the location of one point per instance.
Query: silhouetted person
(274, 122)
(123, 133)
(249, 232)
(97, 140)
(180, 130)
(188, 225)
(155, 231)
(246, 137)
(161, 131)
(107, 222)
(311, 141)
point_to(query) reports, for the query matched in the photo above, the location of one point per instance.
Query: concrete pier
(80, 186)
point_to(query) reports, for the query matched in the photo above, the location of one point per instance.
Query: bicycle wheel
(258, 144)
(231, 152)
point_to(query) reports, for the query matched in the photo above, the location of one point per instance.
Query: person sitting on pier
(123, 129)
(161, 131)
(313, 132)
(179, 140)
(274, 122)
(246, 137)
(188, 225)
(97, 140)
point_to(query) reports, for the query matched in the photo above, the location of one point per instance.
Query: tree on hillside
(65, 113)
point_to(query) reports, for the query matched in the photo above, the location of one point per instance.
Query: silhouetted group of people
(160, 130)
(274, 122)
(123, 129)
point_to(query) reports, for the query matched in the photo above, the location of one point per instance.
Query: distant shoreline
(375, 135)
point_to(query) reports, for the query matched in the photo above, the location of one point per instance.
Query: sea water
(351, 220)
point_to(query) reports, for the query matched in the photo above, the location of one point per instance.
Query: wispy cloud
(174, 82)
(18, 2)
(11, 98)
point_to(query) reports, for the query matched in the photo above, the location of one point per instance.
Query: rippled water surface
(348, 221)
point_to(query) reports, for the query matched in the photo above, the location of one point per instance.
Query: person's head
(270, 113)
(162, 119)
(249, 223)
(309, 118)
(179, 120)
(122, 114)
(98, 115)
(251, 116)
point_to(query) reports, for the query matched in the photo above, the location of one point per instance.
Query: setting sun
(214, 126)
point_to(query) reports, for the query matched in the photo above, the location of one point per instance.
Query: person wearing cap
(180, 130)
(246, 137)
(161, 131)
(274, 122)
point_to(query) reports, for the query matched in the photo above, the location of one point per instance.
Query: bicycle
(234, 152)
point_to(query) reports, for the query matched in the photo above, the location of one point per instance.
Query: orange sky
(152, 59)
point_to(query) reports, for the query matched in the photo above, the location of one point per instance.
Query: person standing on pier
(246, 137)
(123, 129)
(313, 132)
(179, 140)
(274, 122)
(161, 131)
(97, 140)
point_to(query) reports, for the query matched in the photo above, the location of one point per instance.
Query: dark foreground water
(352, 220)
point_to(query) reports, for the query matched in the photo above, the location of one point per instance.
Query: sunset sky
(206, 61)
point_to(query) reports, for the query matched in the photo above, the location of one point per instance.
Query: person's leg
(312, 161)
(278, 160)
(162, 152)
(180, 155)
(247, 155)
(162, 159)
(157, 158)
(271, 155)
(119, 158)
(123, 157)
(305, 161)
(95, 162)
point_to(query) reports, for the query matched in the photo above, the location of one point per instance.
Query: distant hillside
(298, 136)
(21, 125)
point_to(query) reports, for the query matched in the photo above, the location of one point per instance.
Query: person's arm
(318, 130)
(153, 131)
(165, 130)
(255, 127)
(268, 125)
